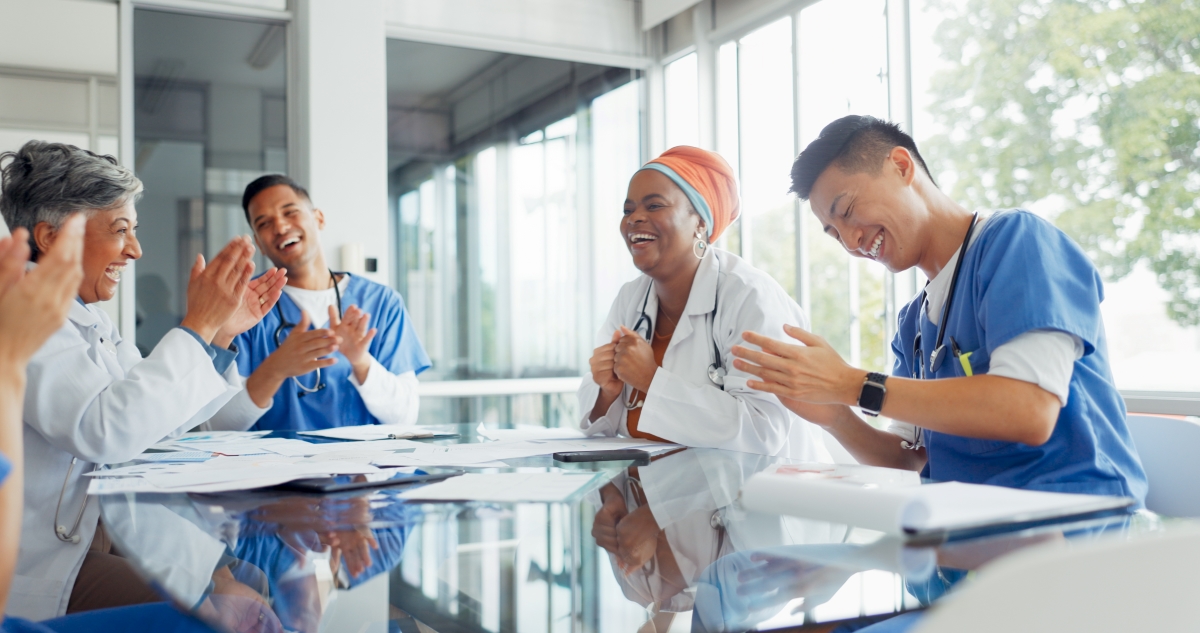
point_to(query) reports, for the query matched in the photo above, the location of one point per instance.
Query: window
(509, 175)
(681, 85)
(1090, 117)
(209, 117)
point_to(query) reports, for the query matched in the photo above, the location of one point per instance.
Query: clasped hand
(627, 360)
(632, 537)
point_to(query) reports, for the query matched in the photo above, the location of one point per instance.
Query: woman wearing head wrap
(663, 368)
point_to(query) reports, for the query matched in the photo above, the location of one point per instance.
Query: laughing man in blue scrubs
(1001, 373)
(358, 366)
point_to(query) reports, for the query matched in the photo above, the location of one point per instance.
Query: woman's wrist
(205, 331)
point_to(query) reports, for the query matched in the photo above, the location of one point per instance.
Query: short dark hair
(856, 144)
(266, 182)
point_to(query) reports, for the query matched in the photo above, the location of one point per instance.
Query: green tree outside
(1090, 108)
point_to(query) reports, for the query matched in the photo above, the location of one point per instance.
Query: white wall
(339, 130)
(71, 35)
(592, 31)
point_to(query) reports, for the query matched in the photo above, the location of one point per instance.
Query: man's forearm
(872, 446)
(984, 407)
(262, 385)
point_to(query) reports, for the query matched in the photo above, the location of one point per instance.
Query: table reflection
(651, 548)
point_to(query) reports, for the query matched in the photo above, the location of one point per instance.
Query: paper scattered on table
(176, 456)
(213, 462)
(474, 454)
(369, 432)
(884, 500)
(545, 487)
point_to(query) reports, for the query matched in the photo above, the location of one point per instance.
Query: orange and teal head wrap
(707, 180)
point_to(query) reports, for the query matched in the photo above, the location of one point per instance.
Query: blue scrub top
(395, 346)
(1023, 274)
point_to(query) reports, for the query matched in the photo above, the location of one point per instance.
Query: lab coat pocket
(34, 598)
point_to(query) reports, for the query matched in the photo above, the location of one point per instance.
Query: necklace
(673, 323)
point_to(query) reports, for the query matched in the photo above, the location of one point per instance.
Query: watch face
(871, 397)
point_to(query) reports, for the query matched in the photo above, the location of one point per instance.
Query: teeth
(875, 247)
(290, 242)
(114, 272)
(640, 237)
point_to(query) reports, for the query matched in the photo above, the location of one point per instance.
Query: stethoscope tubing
(918, 369)
(716, 369)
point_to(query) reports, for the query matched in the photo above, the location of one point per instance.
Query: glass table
(653, 548)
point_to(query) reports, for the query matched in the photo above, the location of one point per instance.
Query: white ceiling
(417, 71)
(213, 50)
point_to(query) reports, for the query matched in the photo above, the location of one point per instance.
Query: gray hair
(47, 182)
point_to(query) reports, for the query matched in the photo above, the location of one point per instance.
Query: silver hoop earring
(698, 247)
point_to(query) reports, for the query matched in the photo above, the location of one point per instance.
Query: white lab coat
(89, 394)
(683, 405)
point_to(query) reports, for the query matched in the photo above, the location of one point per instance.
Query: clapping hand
(260, 297)
(34, 304)
(216, 290)
(352, 330)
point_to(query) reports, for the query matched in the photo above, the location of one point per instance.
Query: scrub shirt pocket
(971, 363)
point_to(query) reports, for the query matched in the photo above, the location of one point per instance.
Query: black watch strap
(870, 399)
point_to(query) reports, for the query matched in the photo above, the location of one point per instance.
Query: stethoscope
(940, 352)
(61, 531)
(284, 324)
(716, 369)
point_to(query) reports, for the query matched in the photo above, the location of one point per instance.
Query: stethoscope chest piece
(716, 375)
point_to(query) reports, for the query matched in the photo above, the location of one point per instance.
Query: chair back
(1106, 585)
(1170, 452)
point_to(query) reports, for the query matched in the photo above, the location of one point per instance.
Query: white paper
(551, 487)
(467, 454)
(175, 456)
(880, 499)
(367, 432)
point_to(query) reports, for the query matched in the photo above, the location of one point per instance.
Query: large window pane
(508, 177)
(767, 132)
(1087, 113)
(682, 88)
(209, 117)
(843, 70)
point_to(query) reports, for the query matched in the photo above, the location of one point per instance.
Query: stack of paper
(369, 432)
(842, 495)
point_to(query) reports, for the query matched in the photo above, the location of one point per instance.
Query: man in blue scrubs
(358, 367)
(1001, 373)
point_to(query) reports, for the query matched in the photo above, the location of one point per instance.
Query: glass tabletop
(653, 548)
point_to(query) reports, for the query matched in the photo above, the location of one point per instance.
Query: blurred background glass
(209, 117)
(508, 175)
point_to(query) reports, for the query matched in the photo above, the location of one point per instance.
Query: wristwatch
(870, 399)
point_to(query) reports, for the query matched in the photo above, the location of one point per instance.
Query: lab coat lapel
(701, 299)
(102, 342)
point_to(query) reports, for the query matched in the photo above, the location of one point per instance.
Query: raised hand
(34, 305)
(634, 360)
(352, 329)
(812, 372)
(302, 352)
(215, 290)
(261, 295)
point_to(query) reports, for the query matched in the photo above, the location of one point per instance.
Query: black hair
(266, 182)
(856, 144)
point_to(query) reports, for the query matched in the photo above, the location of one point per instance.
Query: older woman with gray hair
(90, 396)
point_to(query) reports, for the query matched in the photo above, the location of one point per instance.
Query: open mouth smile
(876, 246)
(114, 271)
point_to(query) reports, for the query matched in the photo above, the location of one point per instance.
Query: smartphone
(640, 457)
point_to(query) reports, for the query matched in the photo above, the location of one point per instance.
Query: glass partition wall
(507, 178)
(209, 117)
